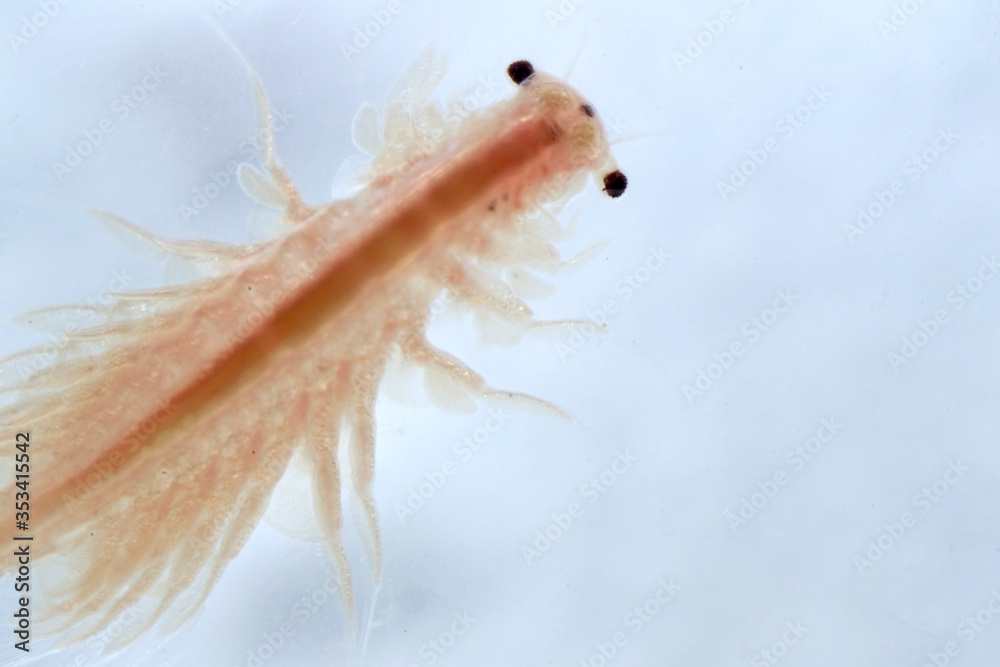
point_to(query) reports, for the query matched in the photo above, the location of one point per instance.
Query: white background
(698, 507)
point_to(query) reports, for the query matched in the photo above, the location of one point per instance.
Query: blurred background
(785, 444)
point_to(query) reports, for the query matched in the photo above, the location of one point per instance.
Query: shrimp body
(160, 434)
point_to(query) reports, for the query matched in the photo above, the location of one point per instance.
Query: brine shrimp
(159, 434)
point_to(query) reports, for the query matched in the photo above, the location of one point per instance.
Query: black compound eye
(520, 71)
(614, 183)
(587, 109)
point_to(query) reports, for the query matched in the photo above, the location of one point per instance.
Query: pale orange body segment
(159, 438)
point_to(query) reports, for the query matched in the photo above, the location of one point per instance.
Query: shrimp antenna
(576, 58)
(224, 36)
(641, 135)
